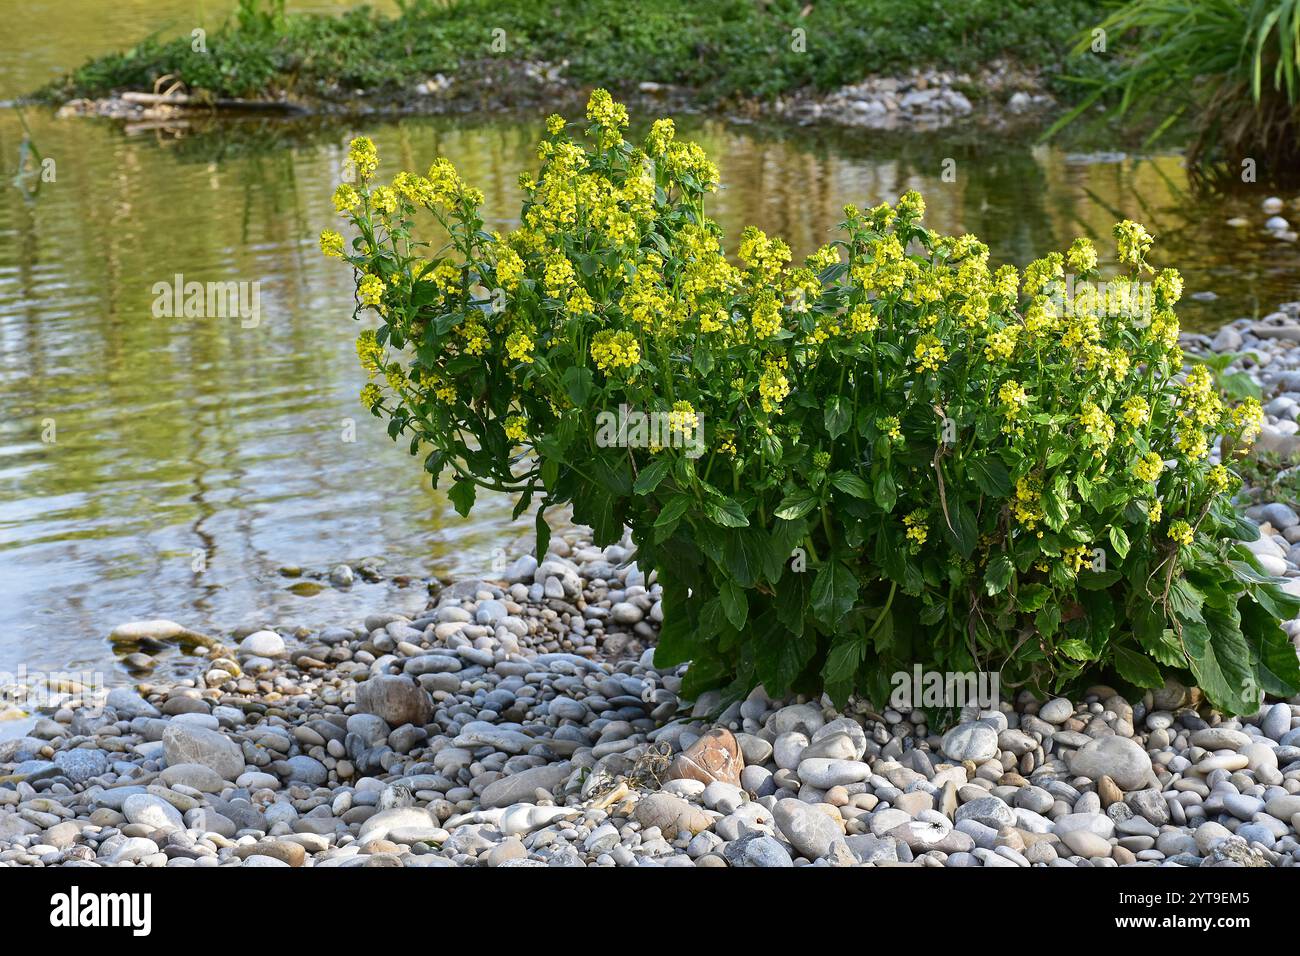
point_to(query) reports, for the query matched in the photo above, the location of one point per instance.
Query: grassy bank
(723, 49)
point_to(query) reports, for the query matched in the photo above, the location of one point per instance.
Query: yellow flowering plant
(888, 454)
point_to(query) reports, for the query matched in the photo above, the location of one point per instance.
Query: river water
(160, 467)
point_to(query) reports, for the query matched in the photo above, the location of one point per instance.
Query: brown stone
(715, 756)
(1109, 791)
(290, 853)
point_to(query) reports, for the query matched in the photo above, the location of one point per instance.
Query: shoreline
(1000, 96)
(521, 722)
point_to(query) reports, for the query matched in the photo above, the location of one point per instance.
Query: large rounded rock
(522, 787)
(381, 824)
(756, 849)
(201, 778)
(262, 644)
(990, 811)
(670, 814)
(1116, 757)
(809, 830)
(398, 700)
(151, 811)
(186, 743)
(715, 756)
(974, 741)
(823, 772)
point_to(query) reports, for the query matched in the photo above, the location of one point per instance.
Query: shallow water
(192, 458)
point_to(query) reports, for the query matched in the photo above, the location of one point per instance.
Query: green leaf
(1273, 657)
(725, 512)
(543, 533)
(964, 533)
(650, 476)
(1076, 649)
(602, 512)
(990, 475)
(1048, 619)
(1031, 597)
(1097, 580)
(797, 504)
(677, 635)
(672, 511)
(1220, 659)
(851, 484)
(577, 384)
(1137, 669)
(780, 656)
(1056, 503)
(886, 491)
(1120, 543)
(834, 591)
(838, 416)
(1239, 385)
(999, 574)
(734, 603)
(846, 655)
(461, 494)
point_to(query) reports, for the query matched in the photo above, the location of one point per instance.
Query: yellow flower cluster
(1135, 412)
(660, 137)
(1014, 400)
(346, 198)
(1098, 426)
(476, 338)
(510, 267)
(363, 158)
(611, 116)
(444, 187)
(687, 161)
(1248, 417)
(371, 291)
(863, 318)
(1133, 242)
(558, 277)
(917, 528)
(369, 352)
(331, 243)
(1001, 345)
(1180, 532)
(766, 320)
(1077, 558)
(929, 353)
(1148, 467)
(644, 301)
(683, 418)
(519, 347)
(1028, 504)
(613, 350)
(516, 428)
(773, 386)
(891, 428)
(1219, 479)
(765, 256)
(1081, 257)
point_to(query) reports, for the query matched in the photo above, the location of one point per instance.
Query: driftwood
(186, 101)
